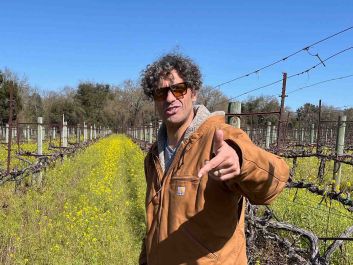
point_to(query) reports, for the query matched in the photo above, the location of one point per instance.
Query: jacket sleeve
(263, 175)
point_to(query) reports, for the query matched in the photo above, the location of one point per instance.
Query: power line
(285, 58)
(325, 81)
(288, 77)
(328, 58)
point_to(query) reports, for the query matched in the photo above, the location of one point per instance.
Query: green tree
(32, 107)
(9, 81)
(92, 98)
(308, 114)
(260, 104)
(57, 104)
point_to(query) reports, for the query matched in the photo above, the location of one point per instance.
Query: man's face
(175, 112)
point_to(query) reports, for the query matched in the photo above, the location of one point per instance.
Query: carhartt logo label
(180, 190)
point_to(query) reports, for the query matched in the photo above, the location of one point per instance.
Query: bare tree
(212, 98)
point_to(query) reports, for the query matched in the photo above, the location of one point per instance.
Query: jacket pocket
(184, 198)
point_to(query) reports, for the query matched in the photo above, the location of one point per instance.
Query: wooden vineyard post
(37, 177)
(274, 134)
(150, 132)
(296, 134)
(43, 133)
(268, 135)
(78, 132)
(91, 133)
(40, 136)
(68, 129)
(302, 133)
(144, 128)
(341, 129)
(234, 108)
(64, 135)
(24, 132)
(10, 130)
(84, 132)
(53, 133)
(326, 133)
(312, 134)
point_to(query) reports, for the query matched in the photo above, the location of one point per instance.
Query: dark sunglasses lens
(160, 94)
(179, 90)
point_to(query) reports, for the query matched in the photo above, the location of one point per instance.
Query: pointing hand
(225, 165)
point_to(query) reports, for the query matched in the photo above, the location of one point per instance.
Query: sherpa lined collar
(201, 115)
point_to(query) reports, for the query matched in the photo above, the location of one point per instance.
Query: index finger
(212, 164)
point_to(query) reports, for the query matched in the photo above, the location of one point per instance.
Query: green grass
(309, 211)
(90, 210)
(307, 171)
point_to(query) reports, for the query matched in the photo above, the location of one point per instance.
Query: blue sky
(60, 43)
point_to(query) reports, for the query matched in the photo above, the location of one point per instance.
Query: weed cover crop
(90, 210)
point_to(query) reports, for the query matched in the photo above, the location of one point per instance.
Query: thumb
(217, 140)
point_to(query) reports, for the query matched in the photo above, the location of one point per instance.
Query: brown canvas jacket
(193, 220)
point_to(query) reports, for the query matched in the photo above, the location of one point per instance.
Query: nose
(170, 97)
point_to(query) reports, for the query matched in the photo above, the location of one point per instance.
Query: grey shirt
(168, 155)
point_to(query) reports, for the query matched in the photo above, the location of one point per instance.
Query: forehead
(172, 77)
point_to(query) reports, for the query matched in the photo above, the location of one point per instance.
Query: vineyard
(87, 214)
(94, 213)
(89, 90)
(312, 220)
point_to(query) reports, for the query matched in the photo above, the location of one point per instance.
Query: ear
(194, 94)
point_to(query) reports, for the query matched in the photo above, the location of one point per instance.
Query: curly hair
(186, 68)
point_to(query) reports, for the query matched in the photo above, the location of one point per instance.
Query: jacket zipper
(165, 177)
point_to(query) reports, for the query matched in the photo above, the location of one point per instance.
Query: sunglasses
(178, 91)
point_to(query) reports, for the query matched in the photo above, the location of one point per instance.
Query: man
(197, 174)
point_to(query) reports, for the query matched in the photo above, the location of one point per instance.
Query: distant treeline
(119, 106)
